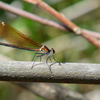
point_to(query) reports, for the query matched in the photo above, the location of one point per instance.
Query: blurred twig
(80, 8)
(41, 20)
(30, 16)
(65, 21)
(57, 15)
(51, 91)
(64, 73)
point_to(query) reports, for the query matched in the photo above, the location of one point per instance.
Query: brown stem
(91, 33)
(30, 16)
(34, 17)
(91, 39)
(59, 16)
(49, 22)
(64, 20)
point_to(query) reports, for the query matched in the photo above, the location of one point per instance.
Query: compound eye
(53, 50)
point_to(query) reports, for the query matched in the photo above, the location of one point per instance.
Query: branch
(30, 16)
(51, 91)
(64, 20)
(57, 15)
(34, 17)
(64, 73)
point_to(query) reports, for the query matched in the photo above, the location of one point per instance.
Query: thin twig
(64, 20)
(50, 23)
(34, 17)
(51, 91)
(59, 16)
(64, 73)
(30, 16)
(91, 39)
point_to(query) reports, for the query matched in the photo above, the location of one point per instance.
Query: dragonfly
(21, 41)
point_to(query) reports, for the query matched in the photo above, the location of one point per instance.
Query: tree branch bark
(64, 73)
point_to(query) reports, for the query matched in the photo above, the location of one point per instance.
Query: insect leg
(55, 59)
(34, 58)
(47, 62)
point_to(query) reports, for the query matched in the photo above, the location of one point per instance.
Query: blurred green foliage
(77, 50)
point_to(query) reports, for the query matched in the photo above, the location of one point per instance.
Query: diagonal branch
(34, 17)
(30, 16)
(64, 73)
(57, 15)
(64, 20)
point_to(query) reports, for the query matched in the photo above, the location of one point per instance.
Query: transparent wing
(15, 37)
